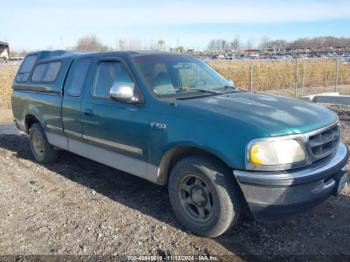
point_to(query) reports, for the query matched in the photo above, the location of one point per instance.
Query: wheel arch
(29, 120)
(172, 156)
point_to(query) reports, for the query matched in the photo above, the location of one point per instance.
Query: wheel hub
(198, 196)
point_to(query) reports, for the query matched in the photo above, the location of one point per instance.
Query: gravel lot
(79, 207)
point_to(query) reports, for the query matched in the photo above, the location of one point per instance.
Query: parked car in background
(174, 121)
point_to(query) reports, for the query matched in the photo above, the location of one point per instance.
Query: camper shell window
(26, 68)
(47, 72)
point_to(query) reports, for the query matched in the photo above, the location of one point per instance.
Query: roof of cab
(47, 55)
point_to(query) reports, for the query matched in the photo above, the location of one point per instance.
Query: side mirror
(123, 93)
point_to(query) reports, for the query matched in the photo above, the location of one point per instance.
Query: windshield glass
(177, 75)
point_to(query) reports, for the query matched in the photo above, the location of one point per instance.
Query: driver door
(116, 131)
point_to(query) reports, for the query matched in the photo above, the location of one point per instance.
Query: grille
(324, 143)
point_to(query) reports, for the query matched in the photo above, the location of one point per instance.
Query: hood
(275, 115)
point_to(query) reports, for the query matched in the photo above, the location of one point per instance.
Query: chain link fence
(288, 77)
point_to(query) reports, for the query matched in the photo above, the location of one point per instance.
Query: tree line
(325, 42)
(92, 43)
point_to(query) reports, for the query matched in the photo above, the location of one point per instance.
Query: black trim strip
(49, 92)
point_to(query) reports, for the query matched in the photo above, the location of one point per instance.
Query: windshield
(177, 75)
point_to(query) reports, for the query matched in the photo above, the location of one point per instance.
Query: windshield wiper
(207, 91)
(204, 92)
(233, 89)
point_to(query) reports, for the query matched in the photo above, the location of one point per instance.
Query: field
(274, 76)
(314, 75)
(7, 73)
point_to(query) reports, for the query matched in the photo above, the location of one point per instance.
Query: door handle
(88, 112)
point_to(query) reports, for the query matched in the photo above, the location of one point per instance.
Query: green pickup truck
(174, 121)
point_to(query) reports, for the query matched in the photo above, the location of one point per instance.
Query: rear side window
(109, 74)
(46, 72)
(77, 76)
(26, 68)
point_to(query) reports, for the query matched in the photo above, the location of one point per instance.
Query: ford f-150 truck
(174, 121)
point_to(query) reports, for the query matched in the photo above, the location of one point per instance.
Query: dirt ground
(79, 207)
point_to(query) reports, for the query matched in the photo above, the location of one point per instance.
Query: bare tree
(212, 45)
(265, 42)
(90, 43)
(180, 49)
(19, 53)
(121, 44)
(273, 44)
(218, 45)
(236, 43)
(249, 44)
(161, 44)
(320, 42)
(279, 44)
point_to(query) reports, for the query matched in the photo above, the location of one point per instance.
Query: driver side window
(109, 74)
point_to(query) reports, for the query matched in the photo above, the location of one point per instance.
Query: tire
(42, 151)
(204, 196)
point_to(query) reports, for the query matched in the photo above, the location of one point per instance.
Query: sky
(43, 24)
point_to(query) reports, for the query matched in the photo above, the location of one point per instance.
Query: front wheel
(42, 151)
(204, 196)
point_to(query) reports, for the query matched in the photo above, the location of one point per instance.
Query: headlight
(275, 152)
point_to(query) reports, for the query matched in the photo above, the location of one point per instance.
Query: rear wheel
(42, 151)
(204, 196)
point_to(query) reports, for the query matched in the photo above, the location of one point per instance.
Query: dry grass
(281, 74)
(6, 116)
(7, 73)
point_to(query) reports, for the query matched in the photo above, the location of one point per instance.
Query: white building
(4, 51)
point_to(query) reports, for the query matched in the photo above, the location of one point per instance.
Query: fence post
(336, 75)
(251, 76)
(304, 71)
(296, 77)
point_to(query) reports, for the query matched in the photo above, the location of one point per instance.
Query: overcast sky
(40, 24)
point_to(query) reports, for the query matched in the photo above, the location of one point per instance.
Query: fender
(176, 151)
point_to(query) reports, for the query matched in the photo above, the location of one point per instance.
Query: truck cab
(173, 120)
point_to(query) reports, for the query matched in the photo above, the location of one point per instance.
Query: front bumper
(274, 195)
